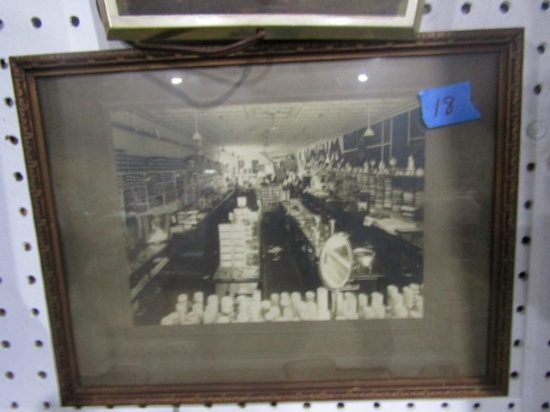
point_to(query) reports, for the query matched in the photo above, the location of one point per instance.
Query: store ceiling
(278, 108)
(277, 126)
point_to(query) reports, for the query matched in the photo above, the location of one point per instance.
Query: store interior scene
(269, 212)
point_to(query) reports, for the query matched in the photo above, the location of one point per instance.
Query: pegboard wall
(27, 368)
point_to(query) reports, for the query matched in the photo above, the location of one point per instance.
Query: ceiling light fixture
(196, 136)
(177, 80)
(368, 132)
(362, 77)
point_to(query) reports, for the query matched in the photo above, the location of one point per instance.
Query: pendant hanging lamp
(368, 132)
(196, 136)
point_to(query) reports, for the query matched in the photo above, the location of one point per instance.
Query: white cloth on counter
(392, 225)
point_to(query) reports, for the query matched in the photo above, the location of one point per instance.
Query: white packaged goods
(241, 302)
(224, 227)
(241, 201)
(171, 319)
(227, 305)
(322, 299)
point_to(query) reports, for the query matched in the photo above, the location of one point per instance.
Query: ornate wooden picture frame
(293, 221)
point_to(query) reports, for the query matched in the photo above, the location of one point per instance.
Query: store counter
(397, 240)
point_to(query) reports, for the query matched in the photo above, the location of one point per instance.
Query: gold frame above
(379, 23)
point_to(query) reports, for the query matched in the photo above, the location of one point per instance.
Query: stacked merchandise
(408, 209)
(289, 307)
(382, 189)
(370, 186)
(239, 244)
(239, 250)
(397, 200)
(270, 195)
(387, 182)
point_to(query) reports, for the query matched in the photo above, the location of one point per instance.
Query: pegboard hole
(444, 405)
(530, 166)
(46, 405)
(523, 275)
(35, 312)
(376, 405)
(9, 101)
(541, 48)
(3, 64)
(241, 404)
(514, 375)
(208, 404)
(36, 22)
(1, 24)
(18, 176)
(307, 405)
(23, 211)
(528, 204)
(6, 344)
(545, 405)
(9, 375)
(273, 404)
(504, 7)
(511, 405)
(427, 8)
(75, 21)
(466, 8)
(2, 312)
(526, 240)
(477, 405)
(410, 405)
(547, 375)
(12, 139)
(27, 246)
(38, 343)
(42, 375)
(340, 405)
(517, 343)
(545, 5)
(537, 89)
(520, 309)
(14, 405)
(31, 279)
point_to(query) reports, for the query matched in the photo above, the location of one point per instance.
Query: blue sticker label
(447, 105)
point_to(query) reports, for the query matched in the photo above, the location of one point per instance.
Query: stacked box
(239, 244)
(270, 195)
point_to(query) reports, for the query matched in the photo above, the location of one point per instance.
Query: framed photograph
(239, 19)
(208, 234)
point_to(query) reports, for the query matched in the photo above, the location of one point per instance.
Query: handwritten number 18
(448, 101)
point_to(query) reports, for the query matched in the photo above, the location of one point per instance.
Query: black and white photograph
(268, 212)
